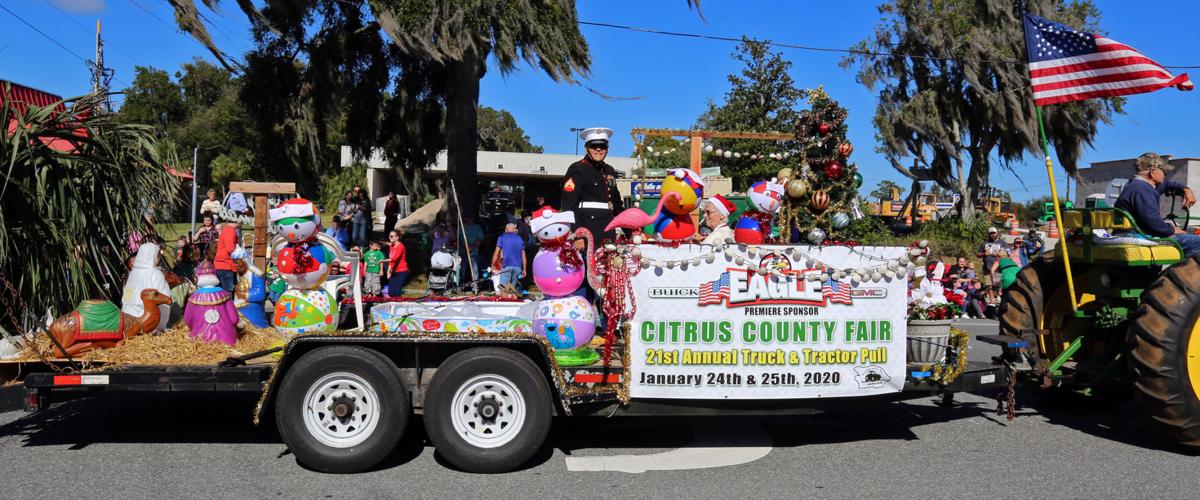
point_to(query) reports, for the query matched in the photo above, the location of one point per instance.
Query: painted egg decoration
(567, 322)
(306, 311)
(688, 185)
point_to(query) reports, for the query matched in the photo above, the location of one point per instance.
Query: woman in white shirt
(716, 217)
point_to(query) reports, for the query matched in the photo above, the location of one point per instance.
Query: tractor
(1136, 328)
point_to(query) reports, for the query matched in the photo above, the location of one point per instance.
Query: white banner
(719, 330)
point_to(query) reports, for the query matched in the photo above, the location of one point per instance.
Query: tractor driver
(1140, 199)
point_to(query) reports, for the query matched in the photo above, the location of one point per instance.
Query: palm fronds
(73, 185)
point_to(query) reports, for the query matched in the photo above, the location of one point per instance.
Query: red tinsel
(841, 243)
(567, 256)
(618, 303)
(764, 225)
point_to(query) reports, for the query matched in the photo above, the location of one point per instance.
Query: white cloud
(81, 6)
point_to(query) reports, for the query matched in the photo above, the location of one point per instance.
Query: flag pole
(1062, 247)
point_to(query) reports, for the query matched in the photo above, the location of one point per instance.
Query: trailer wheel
(488, 409)
(1165, 360)
(342, 409)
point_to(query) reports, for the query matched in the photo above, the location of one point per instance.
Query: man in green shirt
(373, 258)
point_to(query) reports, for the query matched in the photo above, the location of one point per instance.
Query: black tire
(465, 369)
(325, 367)
(1024, 301)
(1161, 331)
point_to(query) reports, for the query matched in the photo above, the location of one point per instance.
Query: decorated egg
(567, 322)
(766, 196)
(688, 185)
(554, 278)
(306, 311)
(296, 220)
(674, 227)
(747, 230)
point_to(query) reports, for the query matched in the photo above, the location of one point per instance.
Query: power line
(89, 31)
(139, 5)
(48, 37)
(815, 49)
(40, 32)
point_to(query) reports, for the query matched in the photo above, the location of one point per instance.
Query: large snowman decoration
(766, 198)
(568, 321)
(304, 264)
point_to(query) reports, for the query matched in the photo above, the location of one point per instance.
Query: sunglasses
(600, 146)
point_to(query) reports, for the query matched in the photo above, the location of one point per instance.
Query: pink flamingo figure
(635, 218)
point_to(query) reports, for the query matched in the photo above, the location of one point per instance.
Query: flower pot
(928, 340)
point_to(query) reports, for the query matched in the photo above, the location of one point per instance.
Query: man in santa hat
(717, 211)
(589, 188)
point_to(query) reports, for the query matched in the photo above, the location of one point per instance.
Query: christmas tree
(822, 190)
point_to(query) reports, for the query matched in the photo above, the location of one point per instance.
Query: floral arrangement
(933, 312)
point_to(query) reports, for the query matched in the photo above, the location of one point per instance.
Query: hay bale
(171, 347)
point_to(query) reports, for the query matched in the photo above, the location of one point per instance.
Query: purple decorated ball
(553, 278)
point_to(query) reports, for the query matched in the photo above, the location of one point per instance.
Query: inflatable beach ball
(306, 311)
(567, 322)
(747, 230)
(766, 196)
(690, 187)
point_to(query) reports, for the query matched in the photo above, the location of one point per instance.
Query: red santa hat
(295, 207)
(690, 177)
(546, 216)
(722, 205)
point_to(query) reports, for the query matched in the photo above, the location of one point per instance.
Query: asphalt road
(167, 446)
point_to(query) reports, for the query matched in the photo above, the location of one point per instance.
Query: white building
(1096, 178)
(539, 173)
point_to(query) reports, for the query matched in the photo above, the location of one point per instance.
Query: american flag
(1068, 65)
(713, 292)
(836, 292)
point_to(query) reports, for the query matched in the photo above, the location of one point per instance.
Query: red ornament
(834, 170)
(824, 129)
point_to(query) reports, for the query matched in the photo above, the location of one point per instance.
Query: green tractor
(1136, 328)
(1046, 214)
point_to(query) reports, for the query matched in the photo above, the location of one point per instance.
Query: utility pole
(195, 182)
(101, 76)
(576, 131)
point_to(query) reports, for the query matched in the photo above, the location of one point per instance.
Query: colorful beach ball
(747, 231)
(567, 322)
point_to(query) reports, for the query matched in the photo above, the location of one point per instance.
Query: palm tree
(73, 184)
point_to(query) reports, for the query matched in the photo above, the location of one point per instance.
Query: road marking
(726, 447)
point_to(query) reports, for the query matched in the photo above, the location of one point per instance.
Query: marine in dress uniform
(589, 188)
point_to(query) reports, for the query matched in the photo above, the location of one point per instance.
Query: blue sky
(674, 77)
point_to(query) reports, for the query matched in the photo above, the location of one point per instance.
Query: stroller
(443, 270)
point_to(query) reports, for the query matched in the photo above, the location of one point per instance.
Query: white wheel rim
(488, 411)
(349, 395)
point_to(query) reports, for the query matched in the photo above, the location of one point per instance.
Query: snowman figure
(766, 198)
(557, 267)
(304, 264)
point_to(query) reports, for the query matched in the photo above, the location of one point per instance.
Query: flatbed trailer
(384, 379)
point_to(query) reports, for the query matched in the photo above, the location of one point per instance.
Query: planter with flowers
(929, 331)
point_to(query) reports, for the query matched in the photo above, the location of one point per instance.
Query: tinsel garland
(764, 220)
(567, 256)
(617, 301)
(379, 299)
(945, 373)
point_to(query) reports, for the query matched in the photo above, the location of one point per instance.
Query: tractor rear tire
(1165, 358)
(1025, 300)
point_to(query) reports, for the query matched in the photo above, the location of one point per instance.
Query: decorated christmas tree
(822, 189)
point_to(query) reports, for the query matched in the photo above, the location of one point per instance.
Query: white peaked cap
(595, 134)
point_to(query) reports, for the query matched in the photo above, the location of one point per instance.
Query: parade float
(790, 317)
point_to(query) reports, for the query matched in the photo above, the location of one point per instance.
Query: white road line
(732, 448)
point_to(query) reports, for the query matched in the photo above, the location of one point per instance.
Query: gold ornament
(784, 175)
(845, 149)
(797, 188)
